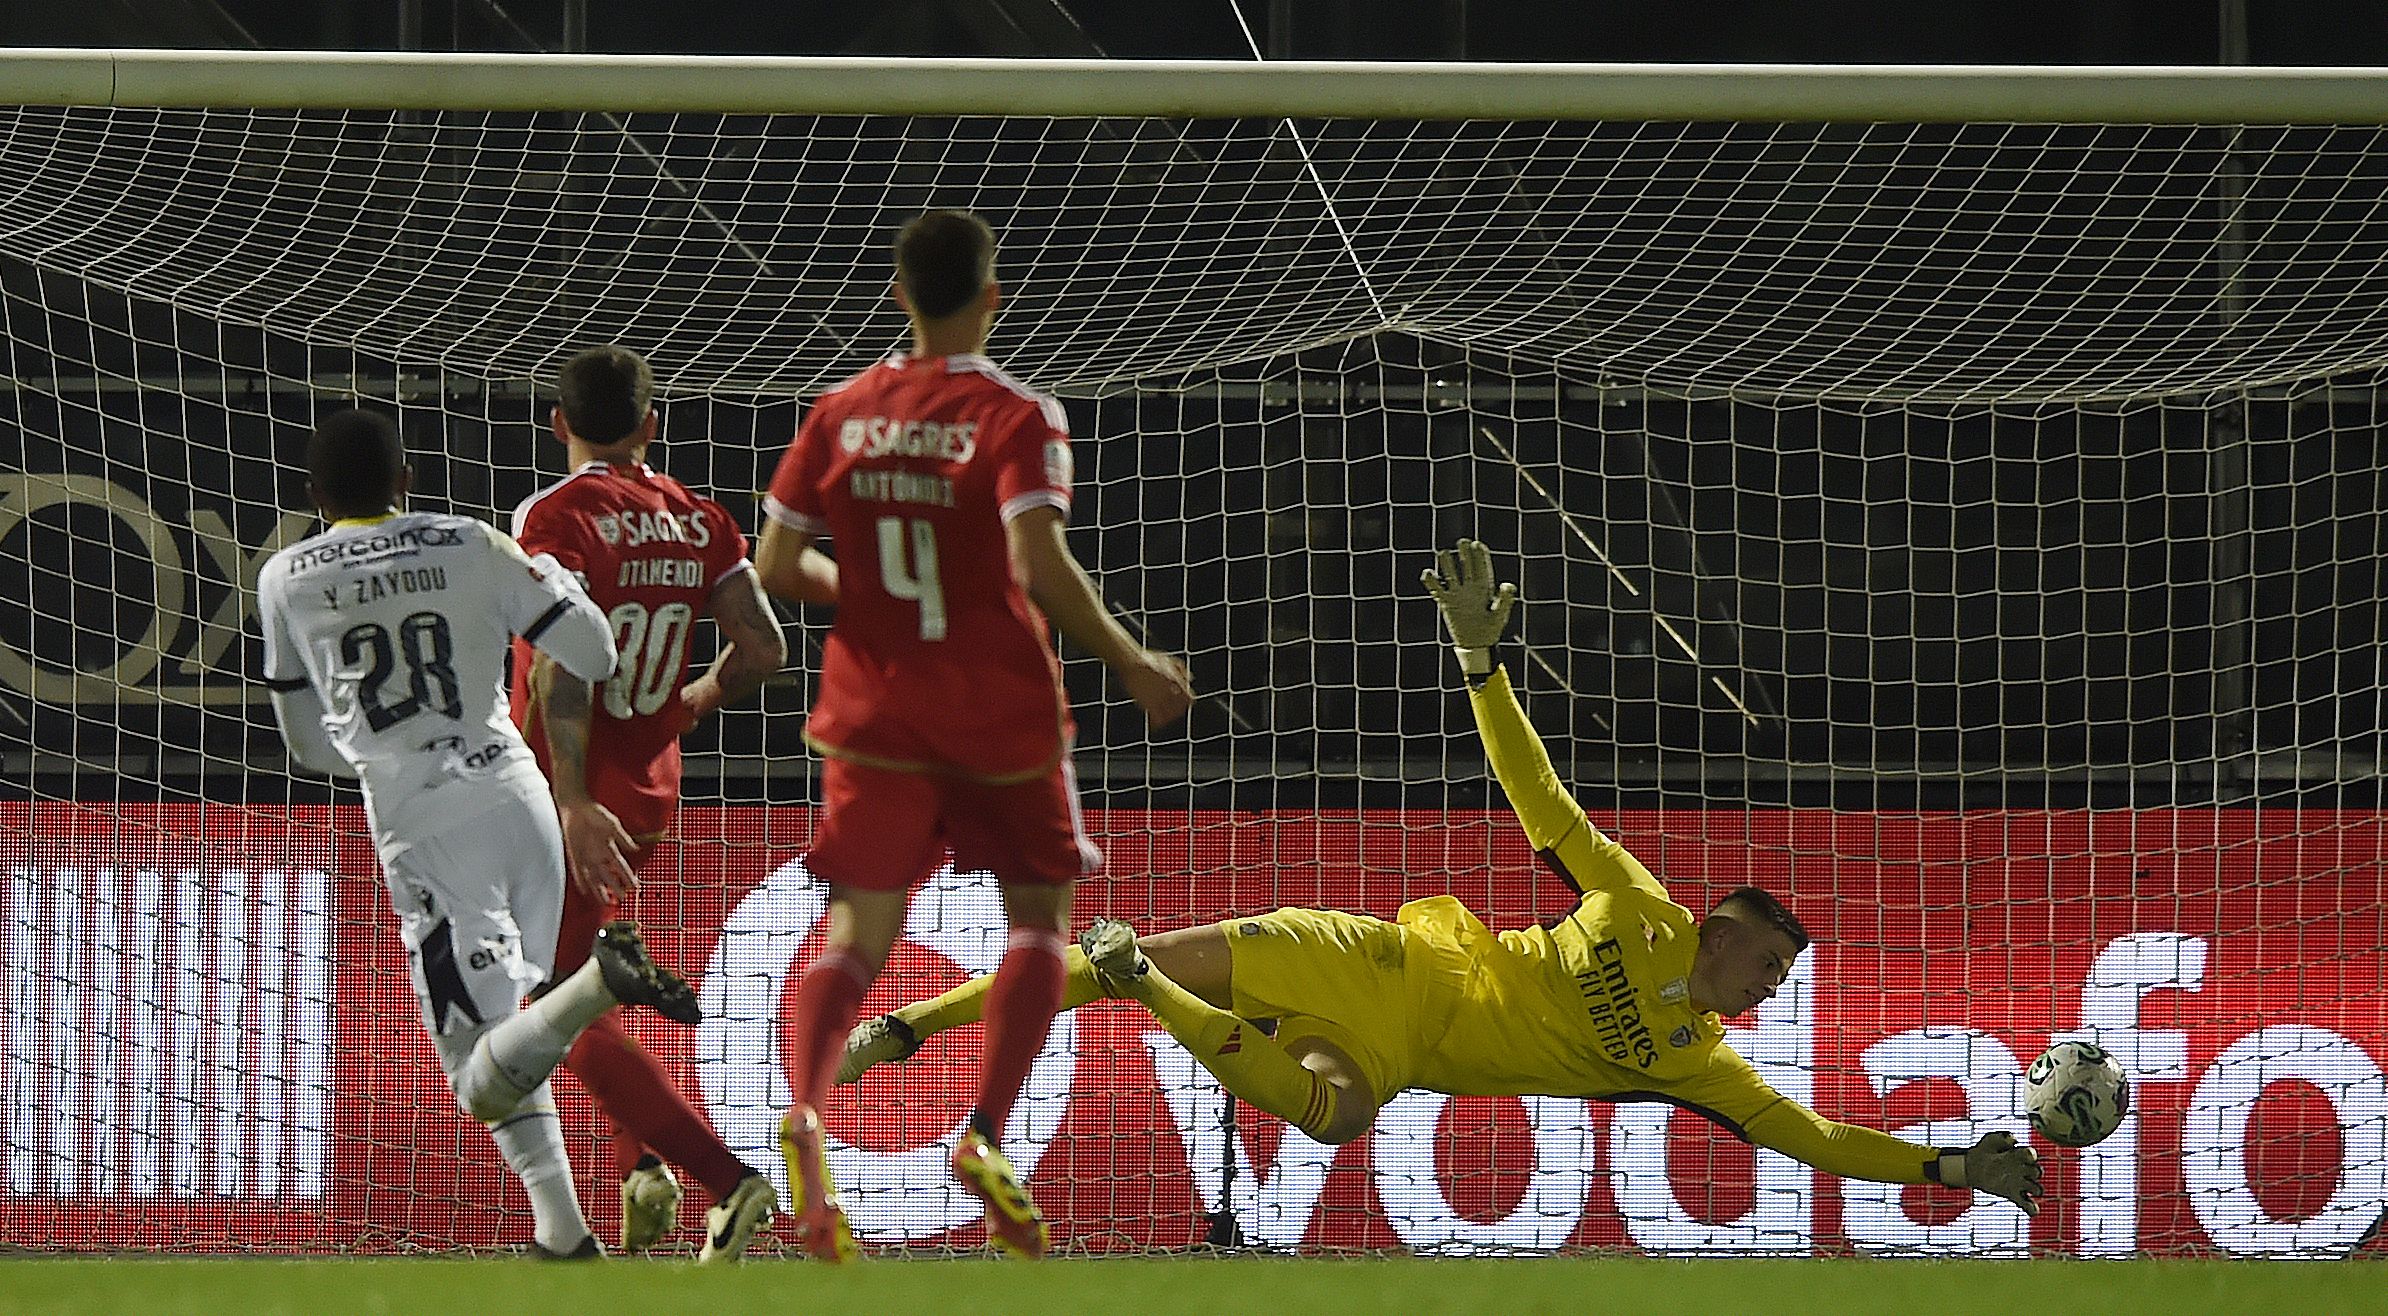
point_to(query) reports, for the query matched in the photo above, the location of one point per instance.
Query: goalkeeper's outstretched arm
(1731, 1093)
(1997, 1164)
(1552, 820)
(1475, 610)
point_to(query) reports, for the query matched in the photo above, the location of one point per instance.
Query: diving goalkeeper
(1622, 1000)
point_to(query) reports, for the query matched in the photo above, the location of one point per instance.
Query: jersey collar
(376, 519)
(965, 360)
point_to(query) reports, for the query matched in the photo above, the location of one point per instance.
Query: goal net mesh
(1970, 532)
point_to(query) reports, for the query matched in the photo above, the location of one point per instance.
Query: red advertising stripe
(209, 1042)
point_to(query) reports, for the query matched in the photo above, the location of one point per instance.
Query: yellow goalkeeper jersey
(1599, 1004)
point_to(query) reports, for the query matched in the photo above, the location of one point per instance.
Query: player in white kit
(385, 648)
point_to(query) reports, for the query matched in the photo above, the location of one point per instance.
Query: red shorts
(885, 830)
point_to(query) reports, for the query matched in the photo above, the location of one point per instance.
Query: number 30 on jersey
(654, 649)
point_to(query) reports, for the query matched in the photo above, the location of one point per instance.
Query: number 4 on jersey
(913, 577)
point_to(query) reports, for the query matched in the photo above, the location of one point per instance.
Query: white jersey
(401, 625)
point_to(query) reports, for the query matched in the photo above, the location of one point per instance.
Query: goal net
(1969, 531)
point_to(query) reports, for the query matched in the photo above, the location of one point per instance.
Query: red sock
(1019, 1011)
(827, 1000)
(647, 1111)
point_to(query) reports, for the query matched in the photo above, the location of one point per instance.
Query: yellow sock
(967, 1004)
(1248, 1062)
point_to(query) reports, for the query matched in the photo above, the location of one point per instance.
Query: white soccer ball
(2075, 1094)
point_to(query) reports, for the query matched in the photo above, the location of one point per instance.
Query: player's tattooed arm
(597, 849)
(752, 650)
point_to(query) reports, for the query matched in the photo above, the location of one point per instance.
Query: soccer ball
(2075, 1094)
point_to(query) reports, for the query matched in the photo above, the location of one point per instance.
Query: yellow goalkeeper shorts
(1369, 987)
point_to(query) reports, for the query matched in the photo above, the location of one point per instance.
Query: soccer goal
(1952, 498)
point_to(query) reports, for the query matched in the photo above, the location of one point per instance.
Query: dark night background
(1894, 605)
(1821, 31)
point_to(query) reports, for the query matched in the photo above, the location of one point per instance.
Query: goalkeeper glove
(1474, 608)
(1997, 1165)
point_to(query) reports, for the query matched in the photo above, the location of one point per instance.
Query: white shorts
(478, 907)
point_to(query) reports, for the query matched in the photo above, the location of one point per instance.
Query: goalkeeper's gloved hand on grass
(1997, 1165)
(1475, 609)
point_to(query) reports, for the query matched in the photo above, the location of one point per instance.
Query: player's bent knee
(1338, 1133)
(488, 1103)
(1351, 1111)
(1353, 1116)
(1350, 1114)
(483, 1092)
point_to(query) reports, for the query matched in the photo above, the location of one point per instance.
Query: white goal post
(1182, 89)
(1950, 497)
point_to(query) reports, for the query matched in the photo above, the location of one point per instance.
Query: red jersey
(650, 553)
(937, 660)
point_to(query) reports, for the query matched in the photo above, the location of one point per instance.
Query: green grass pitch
(1211, 1287)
